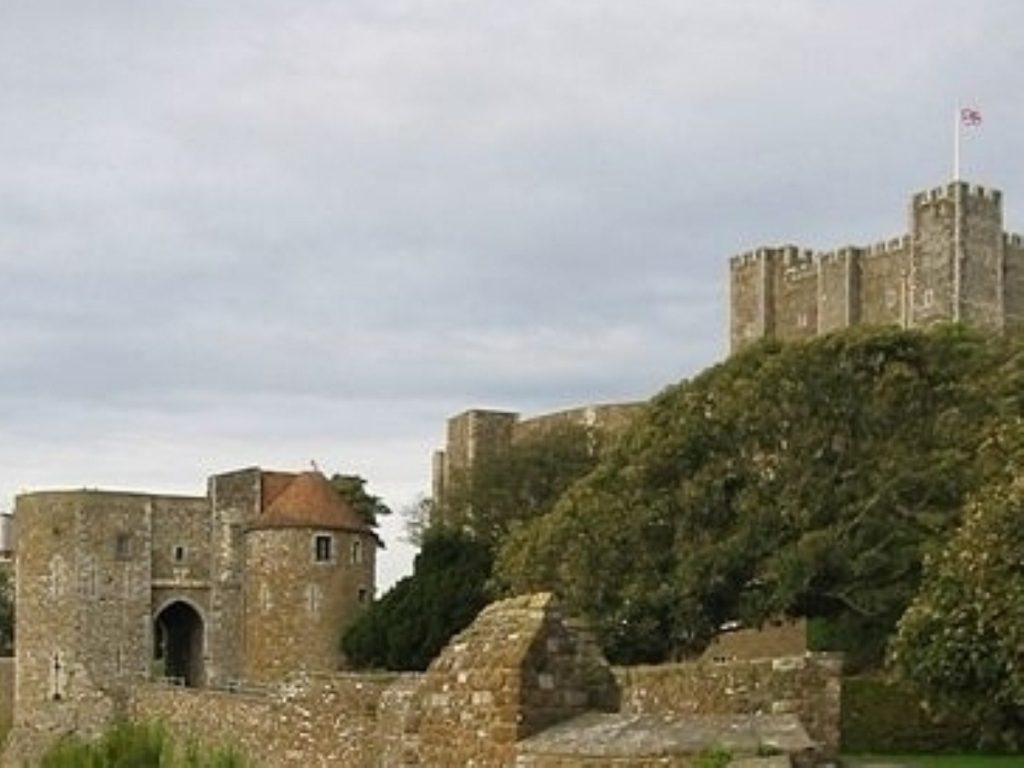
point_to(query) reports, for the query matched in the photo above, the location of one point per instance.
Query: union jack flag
(970, 117)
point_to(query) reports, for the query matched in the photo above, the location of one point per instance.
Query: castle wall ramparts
(519, 671)
(955, 263)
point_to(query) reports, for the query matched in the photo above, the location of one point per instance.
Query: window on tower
(323, 548)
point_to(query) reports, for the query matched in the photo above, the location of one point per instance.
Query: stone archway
(178, 643)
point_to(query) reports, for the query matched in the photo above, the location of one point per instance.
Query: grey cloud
(228, 230)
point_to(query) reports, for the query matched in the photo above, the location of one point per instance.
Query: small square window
(322, 548)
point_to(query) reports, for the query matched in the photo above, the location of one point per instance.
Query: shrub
(136, 745)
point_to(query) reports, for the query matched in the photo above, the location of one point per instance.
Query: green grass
(130, 745)
(936, 761)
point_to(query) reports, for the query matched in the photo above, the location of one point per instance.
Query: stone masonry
(480, 432)
(256, 580)
(955, 263)
(522, 686)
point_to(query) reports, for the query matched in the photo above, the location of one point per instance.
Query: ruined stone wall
(516, 670)
(297, 608)
(808, 686)
(1013, 281)
(314, 720)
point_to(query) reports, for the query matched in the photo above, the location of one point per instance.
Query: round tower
(309, 571)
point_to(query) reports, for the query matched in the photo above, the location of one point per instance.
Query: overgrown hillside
(804, 479)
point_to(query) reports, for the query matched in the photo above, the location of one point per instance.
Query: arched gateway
(178, 643)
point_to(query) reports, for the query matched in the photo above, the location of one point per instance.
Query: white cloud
(256, 232)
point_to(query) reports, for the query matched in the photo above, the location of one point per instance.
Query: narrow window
(265, 597)
(123, 547)
(313, 599)
(929, 297)
(179, 553)
(363, 595)
(322, 547)
(357, 552)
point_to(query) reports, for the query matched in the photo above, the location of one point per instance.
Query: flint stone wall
(513, 689)
(809, 686)
(312, 720)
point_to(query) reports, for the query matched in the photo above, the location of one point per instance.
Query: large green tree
(353, 489)
(413, 621)
(962, 638)
(801, 479)
(521, 482)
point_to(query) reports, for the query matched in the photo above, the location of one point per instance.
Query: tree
(409, 625)
(417, 519)
(352, 488)
(521, 482)
(800, 479)
(962, 638)
(6, 613)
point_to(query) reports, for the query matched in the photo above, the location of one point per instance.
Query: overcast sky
(244, 233)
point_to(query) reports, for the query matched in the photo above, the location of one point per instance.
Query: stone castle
(955, 263)
(252, 582)
(478, 432)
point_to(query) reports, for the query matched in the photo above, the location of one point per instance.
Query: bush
(883, 716)
(409, 625)
(134, 745)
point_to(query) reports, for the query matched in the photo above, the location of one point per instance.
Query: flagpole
(957, 246)
(956, 143)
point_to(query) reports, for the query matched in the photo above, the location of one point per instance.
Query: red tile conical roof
(310, 501)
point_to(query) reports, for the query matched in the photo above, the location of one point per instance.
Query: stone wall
(296, 608)
(808, 686)
(788, 638)
(954, 263)
(476, 433)
(522, 686)
(313, 720)
(6, 696)
(1013, 281)
(516, 670)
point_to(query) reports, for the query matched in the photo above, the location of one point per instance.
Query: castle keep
(955, 263)
(253, 581)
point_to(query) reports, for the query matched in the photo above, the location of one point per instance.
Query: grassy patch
(935, 761)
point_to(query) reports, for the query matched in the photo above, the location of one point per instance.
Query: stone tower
(955, 263)
(309, 572)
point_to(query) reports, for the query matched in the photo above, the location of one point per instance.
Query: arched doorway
(178, 643)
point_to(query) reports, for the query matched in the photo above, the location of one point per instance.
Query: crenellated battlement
(912, 279)
(888, 247)
(949, 192)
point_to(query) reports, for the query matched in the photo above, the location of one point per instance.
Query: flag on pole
(965, 117)
(970, 117)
